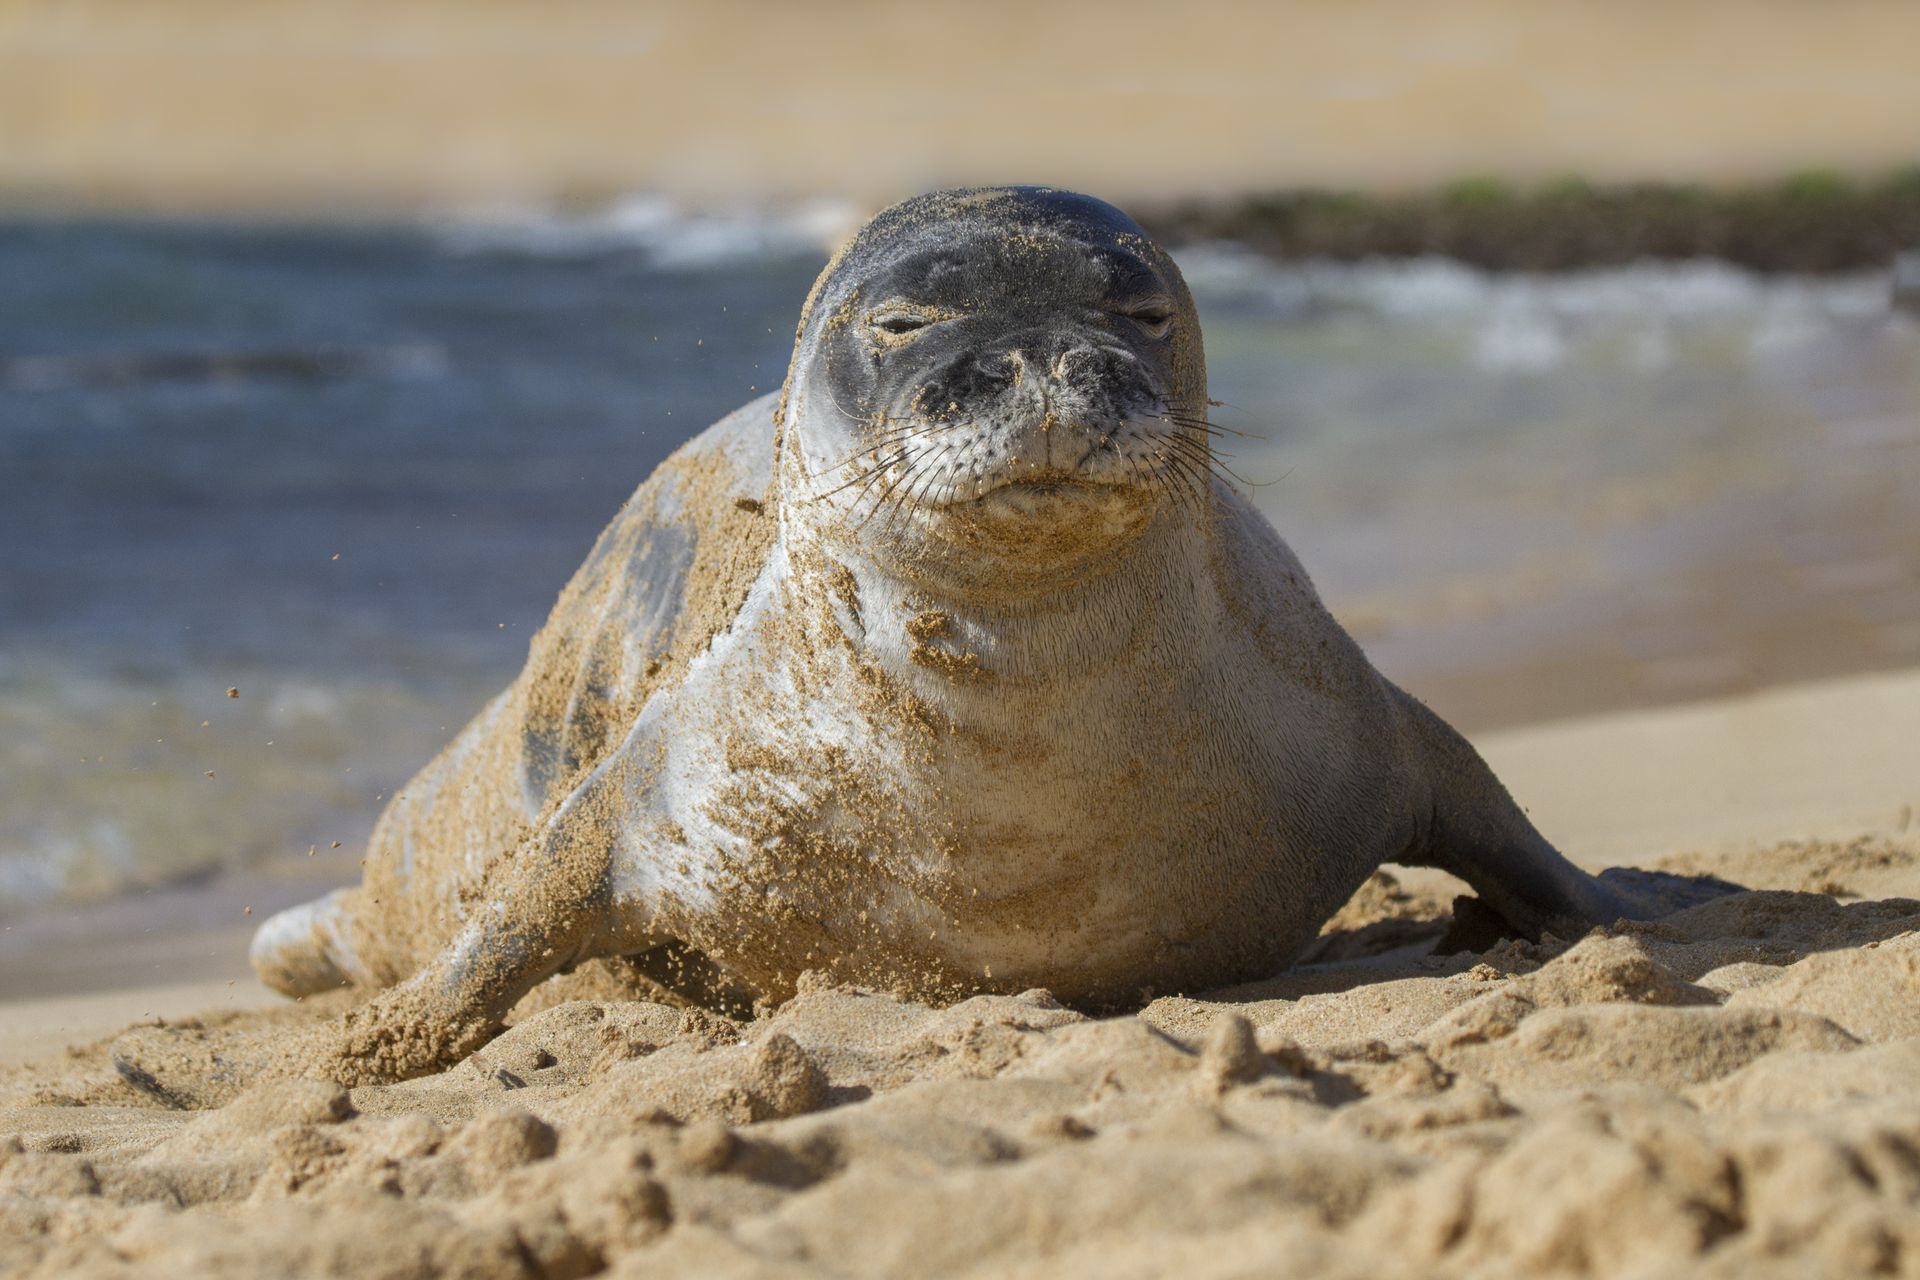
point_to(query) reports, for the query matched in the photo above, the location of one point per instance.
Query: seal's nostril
(999, 371)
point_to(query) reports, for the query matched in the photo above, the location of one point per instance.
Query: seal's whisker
(920, 427)
(1193, 448)
(1202, 422)
(1203, 426)
(909, 455)
(897, 494)
(1150, 479)
(1194, 477)
(862, 474)
(911, 498)
(876, 447)
(865, 476)
(1155, 477)
(1202, 463)
(1181, 432)
(1210, 403)
(1112, 443)
(946, 448)
(873, 476)
(1185, 444)
(1213, 459)
(879, 466)
(906, 501)
(877, 498)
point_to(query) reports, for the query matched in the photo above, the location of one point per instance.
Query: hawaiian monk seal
(953, 668)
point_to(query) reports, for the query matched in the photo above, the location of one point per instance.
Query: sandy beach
(1737, 1082)
(1645, 532)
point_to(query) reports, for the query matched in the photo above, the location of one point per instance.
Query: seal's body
(954, 667)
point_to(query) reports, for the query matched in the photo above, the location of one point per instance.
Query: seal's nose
(1047, 368)
(1059, 363)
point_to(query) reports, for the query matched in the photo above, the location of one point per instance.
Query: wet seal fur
(953, 668)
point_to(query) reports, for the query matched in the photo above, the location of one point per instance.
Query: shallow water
(346, 472)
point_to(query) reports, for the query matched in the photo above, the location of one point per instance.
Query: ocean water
(344, 472)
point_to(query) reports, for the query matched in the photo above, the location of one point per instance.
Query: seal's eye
(1155, 315)
(895, 324)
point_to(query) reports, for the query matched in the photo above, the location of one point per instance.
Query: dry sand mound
(1734, 1091)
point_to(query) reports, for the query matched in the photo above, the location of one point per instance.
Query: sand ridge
(1738, 1082)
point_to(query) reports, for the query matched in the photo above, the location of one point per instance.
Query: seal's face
(1010, 373)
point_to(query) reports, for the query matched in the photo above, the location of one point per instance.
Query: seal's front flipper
(538, 917)
(1648, 895)
(1632, 894)
(1523, 886)
(1477, 832)
(423, 1025)
(434, 1019)
(540, 909)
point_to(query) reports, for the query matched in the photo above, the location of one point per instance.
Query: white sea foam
(663, 233)
(1519, 321)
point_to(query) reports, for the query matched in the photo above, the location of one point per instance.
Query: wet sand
(1737, 1081)
(198, 106)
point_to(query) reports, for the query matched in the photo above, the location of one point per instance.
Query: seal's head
(1007, 380)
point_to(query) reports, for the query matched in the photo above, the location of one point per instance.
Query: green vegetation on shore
(1810, 222)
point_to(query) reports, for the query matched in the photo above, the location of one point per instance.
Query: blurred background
(1569, 342)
